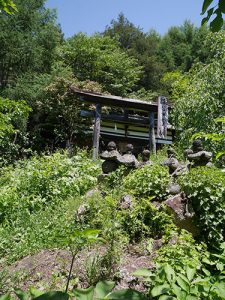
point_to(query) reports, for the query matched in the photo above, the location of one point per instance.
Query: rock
(90, 193)
(109, 166)
(183, 213)
(174, 188)
(126, 202)
(81, 212)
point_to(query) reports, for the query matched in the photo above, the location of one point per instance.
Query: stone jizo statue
(171, 161)
(197, 156)
(111, 156)
(145, 155)
(129, 159)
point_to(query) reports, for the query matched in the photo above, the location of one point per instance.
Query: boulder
(184, 217)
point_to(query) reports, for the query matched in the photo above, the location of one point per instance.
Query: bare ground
(49, 269)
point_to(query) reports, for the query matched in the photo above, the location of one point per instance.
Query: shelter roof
(110, 100)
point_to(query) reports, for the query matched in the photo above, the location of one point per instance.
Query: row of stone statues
(196, 156)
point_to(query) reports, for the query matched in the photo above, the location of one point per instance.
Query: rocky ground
(49, 269)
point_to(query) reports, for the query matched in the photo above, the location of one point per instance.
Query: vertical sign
(162, 117)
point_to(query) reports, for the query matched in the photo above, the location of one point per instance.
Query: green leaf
(191, 297)
(21, 295)
(142, 272)
(177, 290)
(205, 5)
(84, 294)
(190, 273)
(126, 294)
(5, 297)
(35, 293)
(183, 284)
(221, 5)
(166, 297)
(170, 274)
(103, 288)
(219, 154)
(219, 288)
(160, 289)
(217, 23)
(206, 19)
(53, 296)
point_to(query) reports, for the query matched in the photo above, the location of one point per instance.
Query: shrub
(13, 123)
(180, 251)
(142, 220)
(149, 181)
(41, 181)
(206, 189)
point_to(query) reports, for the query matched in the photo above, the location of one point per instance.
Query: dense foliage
(32, 195)
(206, 189)
(13, 125)
(57, 200)
(149, 182)
(202, 99)
(100, 59)
(28, 40)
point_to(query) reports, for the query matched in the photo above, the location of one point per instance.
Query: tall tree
(100, 59)
(182, 45)
(142, 46)
(203, 97)
(28, 39)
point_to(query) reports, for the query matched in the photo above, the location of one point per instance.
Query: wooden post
(152, 142)
(96, 134)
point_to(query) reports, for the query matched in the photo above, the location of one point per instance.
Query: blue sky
(92, 16)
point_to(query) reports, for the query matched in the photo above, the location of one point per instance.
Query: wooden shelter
(142, 123)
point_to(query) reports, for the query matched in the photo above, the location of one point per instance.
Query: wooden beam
(117, 117)
(96, 133)
(152, 141)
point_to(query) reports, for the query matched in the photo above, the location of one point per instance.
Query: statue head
(171, 152)
(197, 145)
(145, 155)
(187, 152)
(111, 146)
(129, 148)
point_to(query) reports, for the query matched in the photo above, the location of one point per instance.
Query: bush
(144, 220)
(13, 123)
(180, 251)
(45, 180)
(149, 181)
(205, 187)
(140, 221)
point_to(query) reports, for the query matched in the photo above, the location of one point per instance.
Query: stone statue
(145, 158)
(171, 161)
(111, 156)
(129, 159)
(197, 156)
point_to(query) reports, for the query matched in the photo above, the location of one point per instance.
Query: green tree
(28, 40)
(100, 59)
(203, 99)
(183, 45)
(13, 124)
(7, 6)
(142, 46)
(55, 119)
